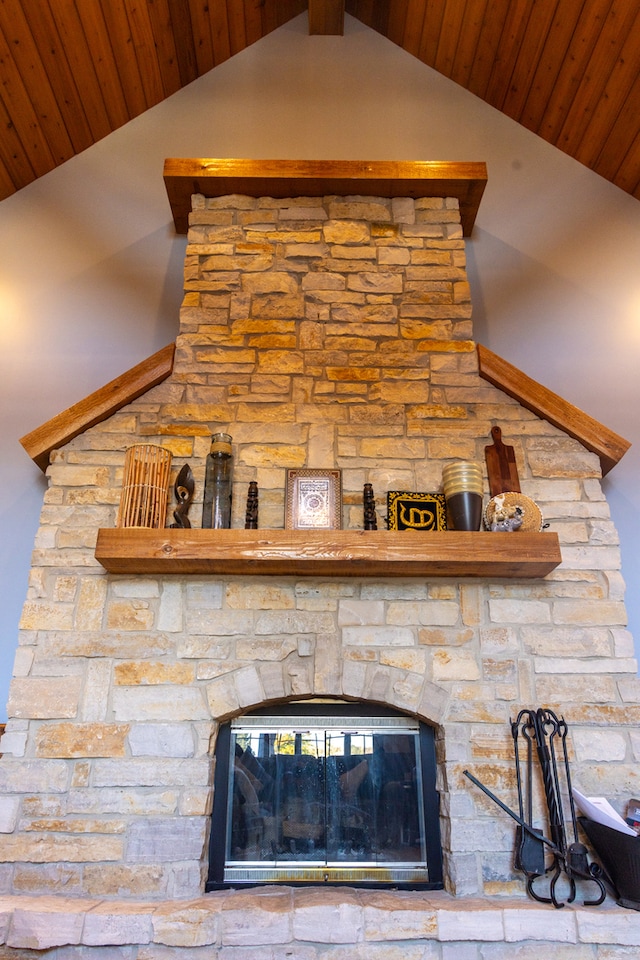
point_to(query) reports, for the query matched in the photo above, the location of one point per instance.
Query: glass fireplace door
(325, 798)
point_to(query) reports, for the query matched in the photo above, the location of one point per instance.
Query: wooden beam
(328, 553)
(326, 17)
(609, 446)
(318, 178)
(97, 406)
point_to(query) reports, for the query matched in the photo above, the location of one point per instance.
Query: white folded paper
(600, 810)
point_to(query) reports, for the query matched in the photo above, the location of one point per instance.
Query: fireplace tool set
(545, 736)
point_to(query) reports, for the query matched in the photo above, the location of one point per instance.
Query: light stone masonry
(323, 332)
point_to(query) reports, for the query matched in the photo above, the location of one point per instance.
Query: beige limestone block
(346, 232)
(187, 924)
(455, 665)
(129, 615)
(124, 880)
(81, 740)
(249, 595)
(519, 611)
(313, 282)
(391, 392)
(39, 615)
(266, 412)
(360, 612)
(260, 455)
(378, 636)
(430, 613)
(90, 606)
(381, 282)
(148, 703)
(414, 661)
(256, 916)
(327, 916)
(276, 281)
(569, 688)
(601, 745)
(47, 848)
(593, 612)
(42, 698)
(146, 672)
(398, 915)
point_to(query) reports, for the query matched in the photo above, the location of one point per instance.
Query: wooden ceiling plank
(487, 50)
(326, 18)
(302, 178)
(474, 17)
(627, 176)
(397, 21)
(584, 38)
(13, 156)
(413, 27)
(449, 39)
(81, 63)
(124, 57)
(237, 27)
(95, 408)
(164, 34)
(181, 27)
(60, 77)
(609, 446)
(620, 95)
(101, 52)
(614, 31)
(620, 138)
(253, 20)
(219, 26)
(15, 27)
(199, 10)
(512, 37)
(431, 27)
(288, 9)
(533, 44)
(145, 51)
(23, 116)
(549, 65)
(7, 184)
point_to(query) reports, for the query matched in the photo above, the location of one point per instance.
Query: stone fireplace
(326, 323)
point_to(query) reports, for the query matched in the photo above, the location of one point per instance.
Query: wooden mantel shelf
(317, 178)
(321, 553)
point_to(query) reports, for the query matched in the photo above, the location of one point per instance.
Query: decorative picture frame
(424, 512)
(313, 499)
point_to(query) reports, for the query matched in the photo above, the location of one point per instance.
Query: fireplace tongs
(543, 729)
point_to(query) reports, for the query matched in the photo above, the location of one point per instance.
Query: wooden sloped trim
(98, 406)
(609, 446)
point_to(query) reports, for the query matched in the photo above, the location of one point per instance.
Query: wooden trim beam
(328, 553)
(97, 406)
(609, 446)
(319, 178)
(326, 17)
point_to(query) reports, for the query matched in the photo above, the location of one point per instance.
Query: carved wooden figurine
(183, 489)
(251, 518)
(369, 503)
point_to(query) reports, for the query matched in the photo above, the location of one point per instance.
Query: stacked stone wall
(319, 332)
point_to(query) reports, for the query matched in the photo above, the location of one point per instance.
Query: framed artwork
(416, 511)
(313, 499)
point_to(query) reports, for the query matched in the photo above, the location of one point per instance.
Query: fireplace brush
(545, 737)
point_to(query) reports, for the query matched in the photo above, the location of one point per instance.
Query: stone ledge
(271, 916)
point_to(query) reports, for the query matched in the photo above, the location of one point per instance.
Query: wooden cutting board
(501, 466)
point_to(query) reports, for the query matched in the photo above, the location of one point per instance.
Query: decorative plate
(513, 511)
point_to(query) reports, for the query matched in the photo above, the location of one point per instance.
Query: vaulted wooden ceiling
(72, 71)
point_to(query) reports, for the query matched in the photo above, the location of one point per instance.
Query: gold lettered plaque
(313, 499)
(416, 511)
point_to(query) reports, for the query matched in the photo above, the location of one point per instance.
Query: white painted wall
(91, 270)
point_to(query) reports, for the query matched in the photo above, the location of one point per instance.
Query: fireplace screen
(325, 798)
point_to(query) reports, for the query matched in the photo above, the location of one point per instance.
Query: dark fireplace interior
(325, 792)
